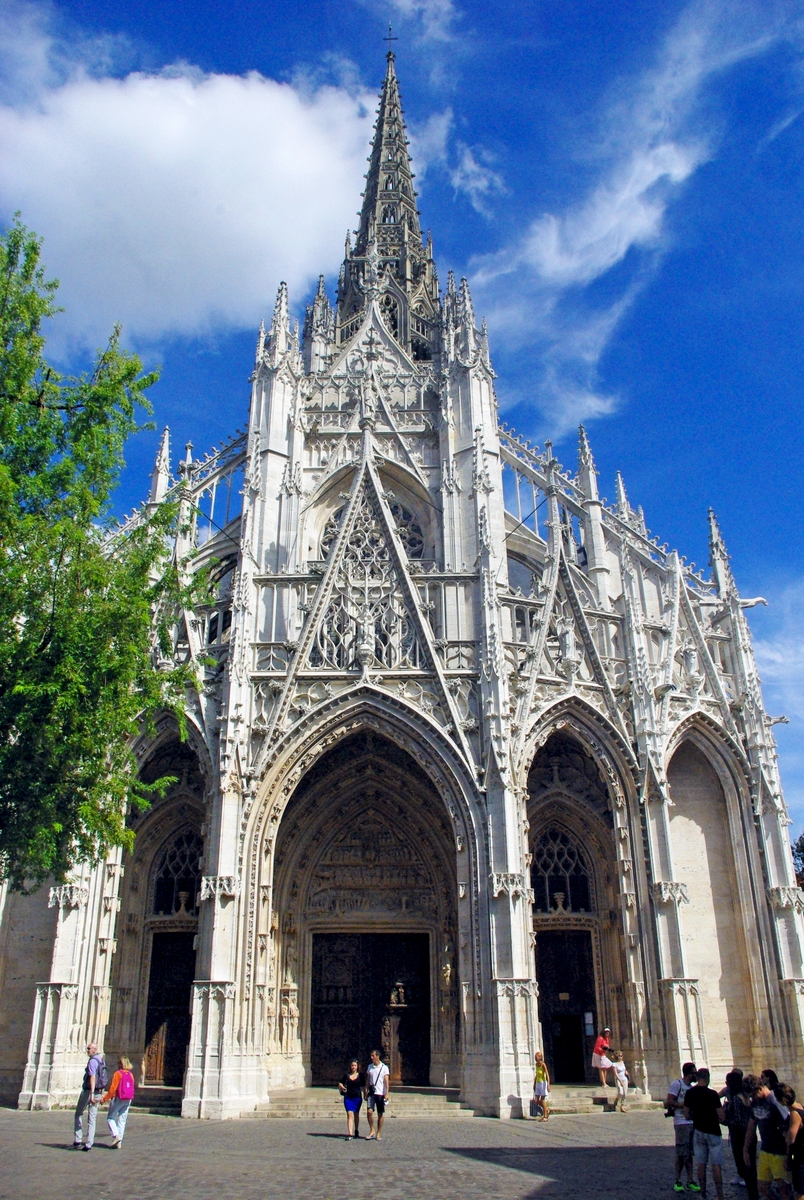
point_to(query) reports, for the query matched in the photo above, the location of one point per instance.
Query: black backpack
(101, 1076)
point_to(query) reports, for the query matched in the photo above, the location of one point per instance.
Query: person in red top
(600, 1057)
(119, 1097)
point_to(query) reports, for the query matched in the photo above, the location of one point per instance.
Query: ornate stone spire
(389, 198)
(389, 241)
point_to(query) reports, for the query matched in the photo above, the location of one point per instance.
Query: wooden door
(371, 991)
(167, 1024)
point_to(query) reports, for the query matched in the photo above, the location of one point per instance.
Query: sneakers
(115, 1143)
(87, 1148)
(696, 1187)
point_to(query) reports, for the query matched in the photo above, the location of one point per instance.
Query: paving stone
(607, 1156)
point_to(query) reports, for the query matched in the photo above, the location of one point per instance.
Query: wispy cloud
(174, 200)
(474, 176)
(436, 18)
(647, 141)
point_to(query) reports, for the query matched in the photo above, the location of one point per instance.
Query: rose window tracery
(560, 874)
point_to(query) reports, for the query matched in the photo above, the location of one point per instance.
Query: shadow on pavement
(555, 1166)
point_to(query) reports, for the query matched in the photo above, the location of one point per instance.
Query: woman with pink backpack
(119, 1095)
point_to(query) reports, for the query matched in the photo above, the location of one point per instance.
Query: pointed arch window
(389, 183)
(560, 874)
(178, 875)
(389, 215)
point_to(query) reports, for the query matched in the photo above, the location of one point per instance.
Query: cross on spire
(390, 38)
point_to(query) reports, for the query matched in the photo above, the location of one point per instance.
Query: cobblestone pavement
(602, 1156)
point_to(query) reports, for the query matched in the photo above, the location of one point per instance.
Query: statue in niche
(290, 1023)
(290, 961)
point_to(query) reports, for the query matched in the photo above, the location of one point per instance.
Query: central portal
(371, 991)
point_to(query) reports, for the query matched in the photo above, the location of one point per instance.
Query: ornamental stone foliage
(476, 765)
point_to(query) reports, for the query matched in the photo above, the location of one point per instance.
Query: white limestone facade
(452, 703)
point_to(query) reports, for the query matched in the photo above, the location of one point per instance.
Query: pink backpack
(125, 1087)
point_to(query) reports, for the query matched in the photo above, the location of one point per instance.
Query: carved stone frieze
(68, 895)
(219, 887)
(787, 897)
(669, 892)
(510, 884)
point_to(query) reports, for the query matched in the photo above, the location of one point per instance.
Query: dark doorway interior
(567, 1003)
(371, 991)
(167, 1024)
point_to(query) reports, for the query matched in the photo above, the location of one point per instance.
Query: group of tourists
(372, 1086)
(755, 1108)
(98, 1090)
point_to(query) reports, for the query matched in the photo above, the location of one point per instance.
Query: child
(541, 1084)
(620, 1080)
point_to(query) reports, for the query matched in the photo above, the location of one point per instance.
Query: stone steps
(316, 1102)
(160, 1101)
(434, 1103)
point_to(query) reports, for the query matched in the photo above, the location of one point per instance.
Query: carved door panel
(567, 1004)
(371, 991)
(167, 1023)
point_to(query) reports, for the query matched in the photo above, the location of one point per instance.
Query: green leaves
(79, 631)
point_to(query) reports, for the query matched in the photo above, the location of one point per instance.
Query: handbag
(536, 1109)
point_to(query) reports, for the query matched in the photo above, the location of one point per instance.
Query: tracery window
(389, 215)
(560, 874)
(366, 621)
(389, 183)
(390, 313)
(178, 871)
(408, 528)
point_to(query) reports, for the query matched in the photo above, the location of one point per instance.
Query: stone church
(476, 765)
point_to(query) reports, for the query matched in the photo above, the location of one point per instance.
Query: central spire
(389, 201)
(389, 262)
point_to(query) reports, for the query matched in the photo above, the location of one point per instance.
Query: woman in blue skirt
(352, 1087)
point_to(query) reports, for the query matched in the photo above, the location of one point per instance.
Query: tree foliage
(79, 641)
(798, 859)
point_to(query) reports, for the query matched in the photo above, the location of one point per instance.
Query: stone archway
(579, 963)
(158, 924)
(365, 919)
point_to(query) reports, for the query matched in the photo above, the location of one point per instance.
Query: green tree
(79, 625)
(798, 859)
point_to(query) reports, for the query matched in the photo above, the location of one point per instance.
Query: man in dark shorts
(682, 1125)
(704, 1107)
(377, 1077)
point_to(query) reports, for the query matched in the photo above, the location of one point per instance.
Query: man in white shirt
(377, 1077)
(682, 1126)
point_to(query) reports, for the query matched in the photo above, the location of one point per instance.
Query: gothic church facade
(476, 765)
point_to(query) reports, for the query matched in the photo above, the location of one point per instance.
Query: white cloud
(475, 178)
(175, 201)
(437, 17)
(646, 142)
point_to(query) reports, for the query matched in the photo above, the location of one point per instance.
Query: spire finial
(623, 507)
(389, 39)
(160, 479)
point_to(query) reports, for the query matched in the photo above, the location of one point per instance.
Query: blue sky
(622, 184)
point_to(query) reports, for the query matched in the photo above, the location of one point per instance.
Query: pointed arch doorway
(365, 898)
